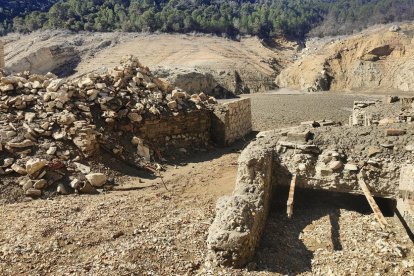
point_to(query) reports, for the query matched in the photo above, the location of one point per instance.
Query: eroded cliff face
(58, 59)
(380, 58)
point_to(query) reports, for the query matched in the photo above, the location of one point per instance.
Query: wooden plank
(291, 197)
(377, 212)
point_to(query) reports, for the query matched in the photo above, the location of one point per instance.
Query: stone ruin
(55, 133)
(335, 158)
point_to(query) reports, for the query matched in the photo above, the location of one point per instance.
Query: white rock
(18, 169)
(34, 165)
(26, 184)
(29, 116)
(151, 85)
(82, 168)
(54, 85)
(178, 94)
(172, 104)
(26, 143)
(154, 110)
(136, 141)
(351, 167)
(335, 165)
(6, 87)
(100, 85)
(40, 184)
(66, 118)
(8, 162)
(51, 151)
(61, 189)
(33, 192)
(92, 94)
(75, 183)
(37, 85)
(85, 82)
(96, 179)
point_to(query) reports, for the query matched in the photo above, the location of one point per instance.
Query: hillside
(229, 18)
(193, 62)
(380, 59)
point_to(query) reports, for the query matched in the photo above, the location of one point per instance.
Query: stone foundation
(325, 158)
(232, 121)
(185, 130)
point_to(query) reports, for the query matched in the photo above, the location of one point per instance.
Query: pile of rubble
(50, 127)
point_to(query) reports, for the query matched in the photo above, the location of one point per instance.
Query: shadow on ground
(173, 158)
(281, 250)
(177, 158)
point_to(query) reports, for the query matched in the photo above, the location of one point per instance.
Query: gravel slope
(271, 111)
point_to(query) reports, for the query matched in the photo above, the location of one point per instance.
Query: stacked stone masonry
(233, 120)
(185, 130)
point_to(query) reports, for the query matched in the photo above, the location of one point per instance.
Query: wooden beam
(377, 212)
(291, 197)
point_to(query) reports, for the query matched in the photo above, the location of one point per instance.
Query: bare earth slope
(376, 59)
(236, 66)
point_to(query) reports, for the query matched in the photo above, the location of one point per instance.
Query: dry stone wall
(184, 130)
(232, 121)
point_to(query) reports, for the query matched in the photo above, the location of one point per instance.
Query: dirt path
(120, 232)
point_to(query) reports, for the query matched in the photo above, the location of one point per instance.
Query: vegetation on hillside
(230, 17)
(9, 9)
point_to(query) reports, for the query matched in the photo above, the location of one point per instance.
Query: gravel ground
(140, 228)
(271, 111)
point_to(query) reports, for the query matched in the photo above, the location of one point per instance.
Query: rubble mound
(379, 58)
(50, 128)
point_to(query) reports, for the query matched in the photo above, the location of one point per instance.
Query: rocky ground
(141, 228)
